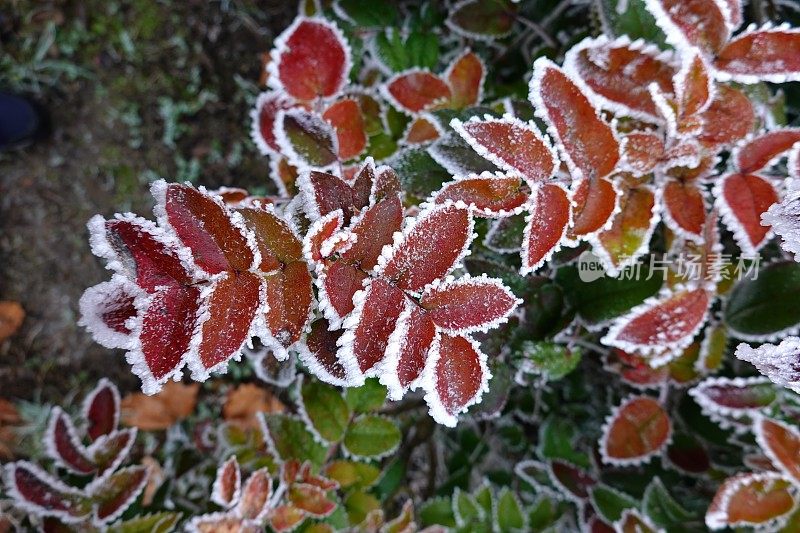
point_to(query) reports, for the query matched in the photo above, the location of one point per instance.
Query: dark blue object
(21, 121)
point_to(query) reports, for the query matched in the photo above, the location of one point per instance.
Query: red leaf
(634, 431)
(311, 59)
(768, 54)
(546, 226)
(468, 304)
(374, 229)
(642, 151)
(684, 208)
(781, 443)
(231, 309)
(737, 397)
(167, 329)
(263, 116)
(688, 454)
(320, 231)
(663, 325)
(368, 329)
(285, 518)
(729, 118)
(110, 450)
(319, 354)
(699, 23)
(413, 91)
(632, 521)
(431, 247)
(289, 301)
(205, 227)
(573, 482)
(465, 76)
(489, 195)
(750, 500)
(101, 409)
(421, 131)
(143, 256)
(337, 285)
(456, 376)
(325, 193)
(695, 89)
(228, 483)
(39, 493)
(596, 201)
(619, 73)
(275, 239)
(762, 151)
(311, 499)
(415, 334)
(587, 142)
(106, 309)
(386, 183)
(254, 503)
(742, 199)
(345, 117)
(64, 445)
(635, 370)
(511, 144)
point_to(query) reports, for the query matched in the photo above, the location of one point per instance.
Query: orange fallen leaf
(175, 402)
(9, 417)
(245, 401)
(155, 477)
(11, 316)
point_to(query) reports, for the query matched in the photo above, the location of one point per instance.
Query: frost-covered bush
(558, 260)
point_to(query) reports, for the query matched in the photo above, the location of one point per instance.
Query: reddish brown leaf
(420, 131)
(285, 518)
(275, 239)
(468, 304)
(374, 229)
(414, 352)
(243, 404)
(340, 282)
(263, 116)
(310, 59)
(255, 495)
(586, 140)
(64, 445)
(769, 54)
(781, 443)
(546, 225)
(633, 226)
(11, 317)
(486, 194)
(228, 483)
(465, 77)
(320, 353)
(730, 117)
(458, 376)
(511, 144)
(430, 248)
(596, 201)
(377, 316)
(685, 208)
(742, 199)
(101, 408)
(635, 431)
(345, 117)
(642, 151)
(416, 90)
(700, 22)
(762, 151)
(231, 309)
(289, 300)
(206, 229)
(311, 499)
(750, 499)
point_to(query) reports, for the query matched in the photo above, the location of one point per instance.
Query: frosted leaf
(262, 129)
(228, 484)
(780, 363)
(465, 75)
(550, 215)
(634, 432)
(684, 209)
(416, 90)
(269, 369)
(488, 195)
(765, 150)
(743, 201)
(784, 218)
(310, 59)
(740, 398)
(109, 310)
(751, 499)
(306, 139)
(688, 23)
(761, 54)
(662, 326)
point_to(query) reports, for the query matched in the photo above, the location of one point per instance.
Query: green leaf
(326, 409)
(151, 523)
(312, 139)
(353, 474)
(372, 14)
(557, 441)
(292, 440)
(661, 507)
(437, 511)
(391, 480)
(606, 298)
(419, 174)
(552, 361)
(543, 513)
(509, 512)
(610, 503)
(767, 304)
(381, 145)
(631, 18)
(372, 436)
(358, 505)
(398, 53)
(368, 397)
(487, 18)
(465, 508)
(507, 234)
(453, 149)
(485, 499)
